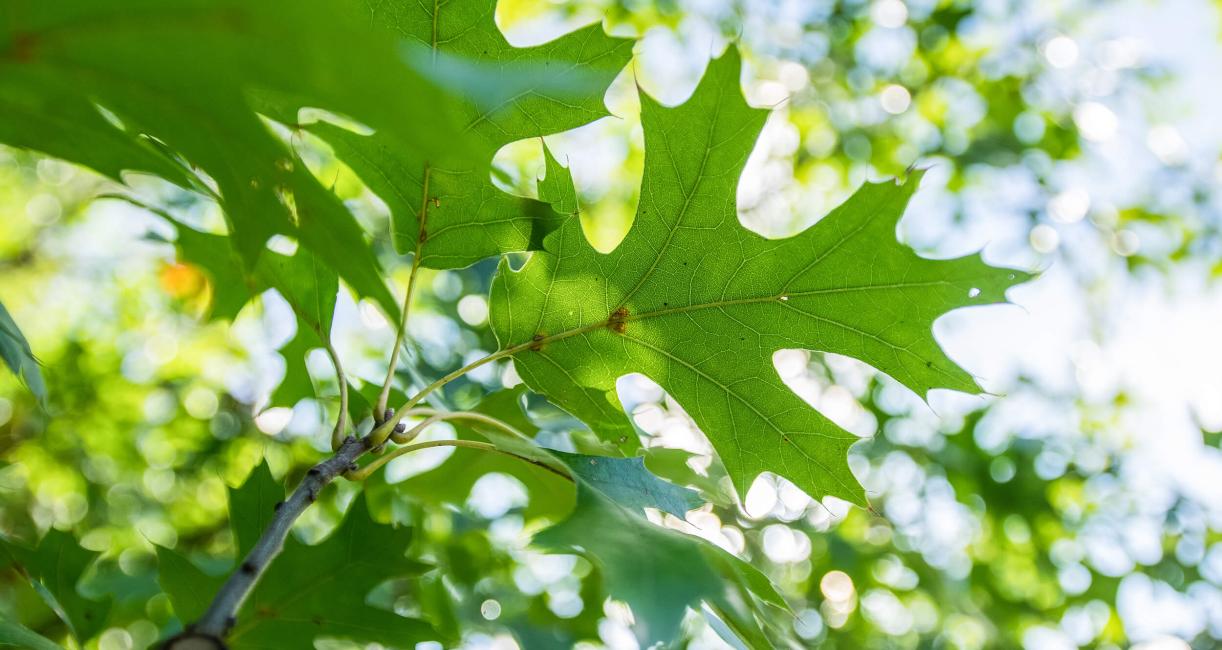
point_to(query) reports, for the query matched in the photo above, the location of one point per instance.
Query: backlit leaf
(444, 207)
(699, 303)
(18, 356)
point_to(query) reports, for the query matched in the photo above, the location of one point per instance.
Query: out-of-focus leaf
(19, 636)
(315, 591)
(252, 507)
(444, 209)
(296, 384)
(213, 254)
(189, 588)
(307, 284)
(699, 303)
(45, 116)
(194, 101)
(54, 568)
(310, 287)
(437, 605)
(321, 590)
(18, 356)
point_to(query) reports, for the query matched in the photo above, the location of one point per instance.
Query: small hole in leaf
(973, 292)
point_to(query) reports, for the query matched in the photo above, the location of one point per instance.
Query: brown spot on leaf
(616, 321)
(22, 49)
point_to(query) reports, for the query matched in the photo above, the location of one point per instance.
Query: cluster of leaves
(690, 298)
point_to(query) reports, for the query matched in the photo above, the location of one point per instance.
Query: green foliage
(19, 636)
(251, 507)
(444, 208)
(54, 568)
(326, 585)
(551, 496)
(99, 50)
(699, 303)
(18, 356)
(417, 101)
(311, 590)
(627, 482)
(658, 571)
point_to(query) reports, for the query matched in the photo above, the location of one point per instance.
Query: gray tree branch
(209, 632)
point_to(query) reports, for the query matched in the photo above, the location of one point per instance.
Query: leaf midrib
(667, 311)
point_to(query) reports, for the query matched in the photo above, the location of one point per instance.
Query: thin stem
(384, 395)
(421, 237)
(437, 416)
(341, 423)
(383, 431)
(366, 471)
(410, 434)
(225, 605)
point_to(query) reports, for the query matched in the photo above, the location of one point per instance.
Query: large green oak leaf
(700, 304)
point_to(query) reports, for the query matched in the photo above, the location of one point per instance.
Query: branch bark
(212, 628)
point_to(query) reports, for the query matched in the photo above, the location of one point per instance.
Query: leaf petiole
(435, 416)
(366, 471)
(421, 220)
(383, 431)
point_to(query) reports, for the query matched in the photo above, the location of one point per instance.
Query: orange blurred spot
(182, 280)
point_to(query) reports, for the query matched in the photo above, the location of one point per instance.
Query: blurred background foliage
(1081, 509)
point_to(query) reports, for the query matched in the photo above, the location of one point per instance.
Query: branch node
(189, 640)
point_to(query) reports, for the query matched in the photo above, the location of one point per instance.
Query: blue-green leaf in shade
(659, 572)
(627, 482)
